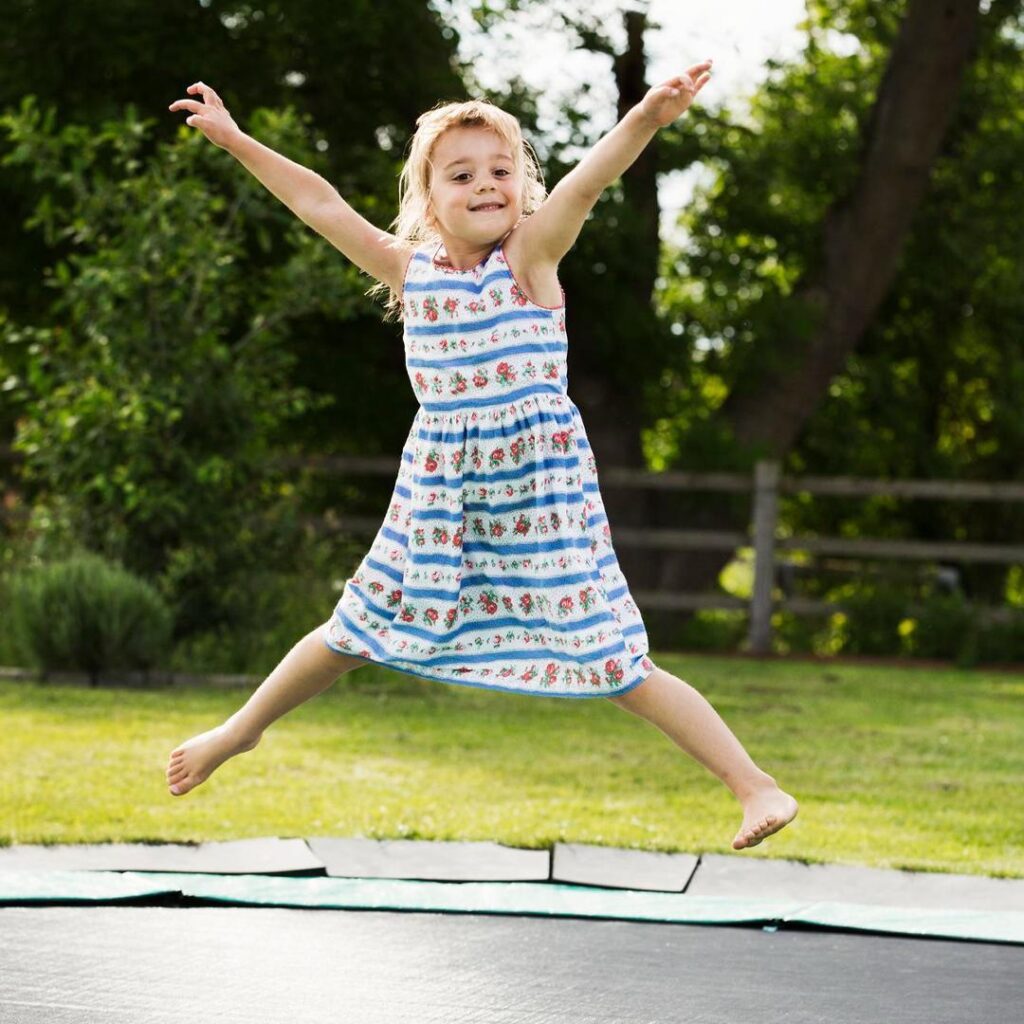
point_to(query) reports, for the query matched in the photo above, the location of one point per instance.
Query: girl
(494, 566)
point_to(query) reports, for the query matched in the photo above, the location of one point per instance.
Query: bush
(947, 627)
(270, 610)
(797, 634)
(8, 655)
(87, 614)
(1002, 641)
(873, 613)
(714, 629)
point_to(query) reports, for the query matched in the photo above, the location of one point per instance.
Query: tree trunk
(865, 233)
(612, 409)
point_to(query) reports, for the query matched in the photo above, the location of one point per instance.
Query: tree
(856, 268)
(156, 389)
(362, 71)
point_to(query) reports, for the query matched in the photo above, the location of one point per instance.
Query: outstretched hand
(211, 117)
(664, 103)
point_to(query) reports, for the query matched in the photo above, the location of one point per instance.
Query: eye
(502, 170)
(461, 175)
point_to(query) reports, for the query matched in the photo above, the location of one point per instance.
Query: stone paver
(431, 861)
(738, 877)
(586, 864)
(231, 857)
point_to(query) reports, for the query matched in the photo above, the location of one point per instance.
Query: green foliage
(1002, 641)
(935, 387)
(946, 627)
(713, 629)
(873, 611)
(274, 611)
(155, 394)
(799, 634)
(87, 614)
(950, 626)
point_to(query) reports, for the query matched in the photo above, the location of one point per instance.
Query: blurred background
(795, 323)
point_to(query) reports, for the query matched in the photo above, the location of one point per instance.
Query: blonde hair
(411, 225)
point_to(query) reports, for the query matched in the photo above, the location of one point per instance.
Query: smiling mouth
(488, 206)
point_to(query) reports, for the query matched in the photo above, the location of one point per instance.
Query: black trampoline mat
(151, 965)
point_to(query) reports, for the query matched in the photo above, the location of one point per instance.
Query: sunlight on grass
(911, 768)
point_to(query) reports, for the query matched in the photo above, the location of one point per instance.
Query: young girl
(494, 566)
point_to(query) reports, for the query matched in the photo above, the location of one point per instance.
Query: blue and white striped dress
(494, 566)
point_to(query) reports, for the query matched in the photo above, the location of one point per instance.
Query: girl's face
(475, 189)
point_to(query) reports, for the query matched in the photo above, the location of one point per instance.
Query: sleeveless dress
(494, 565)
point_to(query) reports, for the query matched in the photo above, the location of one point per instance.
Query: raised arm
(550, 231)
(307, 194)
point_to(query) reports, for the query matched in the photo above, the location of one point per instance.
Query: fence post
(766, 507)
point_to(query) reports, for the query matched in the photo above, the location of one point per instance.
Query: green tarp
(532, 898)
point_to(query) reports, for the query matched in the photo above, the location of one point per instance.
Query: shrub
(796, 634)
(1002, 641)
(947, 627)
(8, 655)
(87, 614)
(271, 610)
(873, 614)
(713, 629)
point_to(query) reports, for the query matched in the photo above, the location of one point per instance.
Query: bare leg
(686, 717)
(306, 670)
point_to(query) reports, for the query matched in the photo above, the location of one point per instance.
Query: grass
(893, 767)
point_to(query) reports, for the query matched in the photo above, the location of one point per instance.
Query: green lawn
(909, 767)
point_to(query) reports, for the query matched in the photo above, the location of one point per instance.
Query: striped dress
(494, 565)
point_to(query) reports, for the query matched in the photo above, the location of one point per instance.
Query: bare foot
(764, 813)
(197, 758)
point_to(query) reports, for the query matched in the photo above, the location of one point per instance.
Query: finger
(681, 82)
(196, 120)
(209, 96)
(704, 65)
(194, 105)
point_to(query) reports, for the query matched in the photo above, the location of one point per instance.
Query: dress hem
(487, 686)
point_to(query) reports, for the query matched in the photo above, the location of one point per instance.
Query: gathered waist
(523, 402)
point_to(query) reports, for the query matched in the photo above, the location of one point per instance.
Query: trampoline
(149, 965)
(571, 935)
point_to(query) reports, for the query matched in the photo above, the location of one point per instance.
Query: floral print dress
(494, 565)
